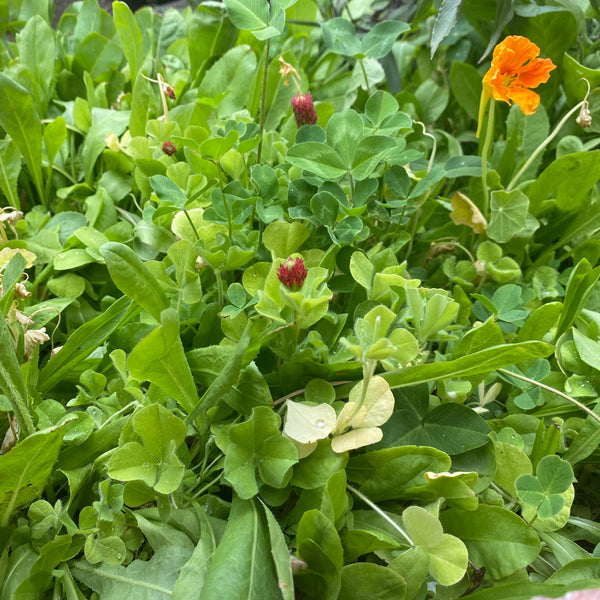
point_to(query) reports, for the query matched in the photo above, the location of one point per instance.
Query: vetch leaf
(251, 15)
(450, 427)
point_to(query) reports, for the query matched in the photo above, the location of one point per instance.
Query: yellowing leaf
(466, 213)
(307, 424)
(7, 253)
(378, 404)
(305, 450)
(357, 438)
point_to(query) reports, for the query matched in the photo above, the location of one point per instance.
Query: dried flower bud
(11, 217)
(292, 273)
(169, 148)
(11, 436)
(584, 119)
(169, 91)
(32, 338)
(23, 319)
(200, 263)
(21, 291)
(298, 565)
(304, 109)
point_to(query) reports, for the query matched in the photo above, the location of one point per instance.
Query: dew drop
(320, 423)
(261, 460)
(119, 556)
(146, 465)
(243, 467)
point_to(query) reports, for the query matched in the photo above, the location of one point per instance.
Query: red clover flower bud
(292, 273)
(169, 148)
(304, 109)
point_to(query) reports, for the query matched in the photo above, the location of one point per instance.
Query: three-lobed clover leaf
(446, 555)
(148, 450)
(256, 452)
(545, 491)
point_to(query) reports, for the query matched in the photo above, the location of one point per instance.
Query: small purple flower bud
(304, 109)
(169, 148)
(292, 273)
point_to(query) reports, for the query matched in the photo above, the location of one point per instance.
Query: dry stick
(576, 403)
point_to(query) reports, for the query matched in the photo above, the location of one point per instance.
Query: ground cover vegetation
(300, 300)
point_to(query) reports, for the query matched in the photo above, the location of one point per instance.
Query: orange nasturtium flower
(515, 70)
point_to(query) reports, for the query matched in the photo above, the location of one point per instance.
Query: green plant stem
(364, 71)
(574, 402)
(263, 99)
(219, 287)
(185, 212)
(381, 513)
(543, 145)
(207, 486)
(489, 134)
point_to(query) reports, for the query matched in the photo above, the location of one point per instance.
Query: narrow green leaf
(37, 51)
(477, 363)
(466, 87)
(242, 567)
(141, 580)
(444, 22)
(130, 35)
(24, 471)
(133, 278)
(227, 378)
(160, 359)
(11, 380)
(193, 573)
(20, 119)
(84, 340)
(280, 555)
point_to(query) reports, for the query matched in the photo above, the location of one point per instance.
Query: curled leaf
(466, 213)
